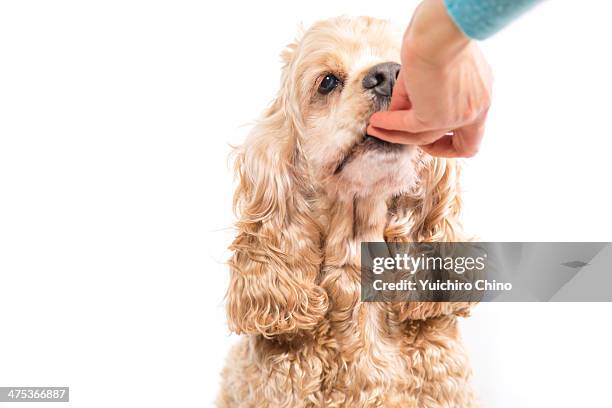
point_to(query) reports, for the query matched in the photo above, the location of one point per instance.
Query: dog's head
(338, 74)
(312, 142)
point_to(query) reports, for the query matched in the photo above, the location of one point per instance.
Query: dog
(312, 186)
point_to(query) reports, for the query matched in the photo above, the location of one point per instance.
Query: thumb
(399, 97)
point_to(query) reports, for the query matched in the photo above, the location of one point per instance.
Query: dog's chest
(368, 344)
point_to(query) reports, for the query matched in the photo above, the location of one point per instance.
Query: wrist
(432, 36)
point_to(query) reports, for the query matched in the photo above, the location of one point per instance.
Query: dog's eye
(328, 84)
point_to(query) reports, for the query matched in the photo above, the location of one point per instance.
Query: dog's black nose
(381, 78)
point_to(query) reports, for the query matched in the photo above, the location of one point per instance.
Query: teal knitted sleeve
(480, 19)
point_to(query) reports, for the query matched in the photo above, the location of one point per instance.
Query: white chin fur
(377, 173)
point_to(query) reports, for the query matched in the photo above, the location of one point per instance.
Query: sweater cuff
(480, 19)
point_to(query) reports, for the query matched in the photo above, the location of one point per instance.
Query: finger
(395, 136)
(469, 138)
(399, 98)
(403, 120)
(465, 142)
(442, 147)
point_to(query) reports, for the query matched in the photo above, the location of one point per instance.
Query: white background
(115, 193)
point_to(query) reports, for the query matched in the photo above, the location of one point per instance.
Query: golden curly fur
(312, 186)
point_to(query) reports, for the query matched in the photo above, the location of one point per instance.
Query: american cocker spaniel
(312, 186)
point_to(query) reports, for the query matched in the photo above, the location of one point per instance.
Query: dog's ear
(289, 52)
(277, 252)
(430, 213)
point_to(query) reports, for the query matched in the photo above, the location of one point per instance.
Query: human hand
(443, 93)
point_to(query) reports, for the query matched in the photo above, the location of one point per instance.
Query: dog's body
(360, 354)
(312, 187)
